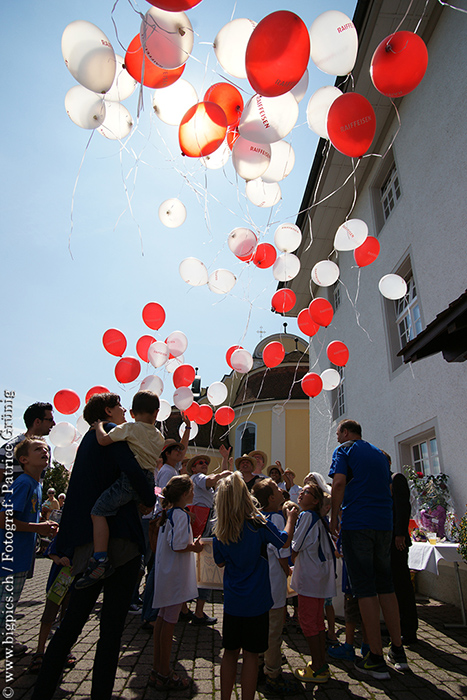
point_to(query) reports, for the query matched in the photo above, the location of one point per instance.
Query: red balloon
(228, 98)
(66, 401)
(367, 253)
(283, 300)
(399, 64)
(153, 76)
(312, 384)
(338, 353)
(351, 124)
(232, 136)
(96, 390)
(277, 53)
(265, 255)
(321, 311)
(153, 315)
(204, 414)
(142, 346)
(114, 342)
(202, 129)
(127, 369)
(175, 5)
(273, 354)
(306, 323)
(192, 413)
(184, 376)
(224, 415)
(229, 353)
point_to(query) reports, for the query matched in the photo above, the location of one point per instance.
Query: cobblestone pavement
(438, 662)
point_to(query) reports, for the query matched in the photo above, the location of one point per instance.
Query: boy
(146, 443)
(19, 521)
(271, 499)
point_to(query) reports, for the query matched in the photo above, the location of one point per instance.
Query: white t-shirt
(165, 473)
(145, 441)
(314, 571)
(277, 576)
(175, 572)
(203, 495)
(293, 493)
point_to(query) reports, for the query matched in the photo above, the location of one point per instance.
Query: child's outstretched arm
(225, 453)
(102, 438)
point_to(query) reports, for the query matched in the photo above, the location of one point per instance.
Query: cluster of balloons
(313, 383)
(103, 81)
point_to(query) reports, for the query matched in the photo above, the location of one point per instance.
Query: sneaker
(364, 649)
(332, 642)
(309, 676)
(185, 617)
(283, 686)
(375, 669)
(134, 609)
(19, 649)
(345, 652)
(205, 620)
(97, 569)
(396, 656)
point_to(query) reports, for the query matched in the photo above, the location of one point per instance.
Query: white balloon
(219, 158)
(123, 85)
(318, 107)
(117, 123)
(286, 267)
(221, 281)
(268, 119)
(158, 353)
(89, 56)
(299, 90)
(152, 383)
(193, 430)
(82, 426)
(287, 238)
(249, 159)
(166, 37)
(85, 108)
(241, 360)
(334, 43)
(325, 273)
(263, 194)
(217, 393)
(62, 434)
(173, 102)
(172, 213)
(331, 379)
(392, 286)
(230, 46)
(281, 163)
(193, 271)
(165, 409)
(66, 455)
(242, 242)
(350, 234)
(183, 398)
(177, 343)
(173, 363)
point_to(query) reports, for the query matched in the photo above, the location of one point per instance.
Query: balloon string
(353, 303)
(74, 192)
(453, 7)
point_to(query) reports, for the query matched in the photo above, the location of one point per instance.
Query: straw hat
(261, 454)
(248, 458)
(192, 462)
(170, 442)
(275, 466)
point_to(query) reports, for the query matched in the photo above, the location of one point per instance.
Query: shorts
(119, 493)
(170, 613)
(311, 615)
(367, 555)
(352, 610)
(248, 633)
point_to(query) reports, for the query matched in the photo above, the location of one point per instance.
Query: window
(425, 457)
(336, 295)
(338, 396)
(245, 438)
(419, 447)
(390, 192)
(385, 191)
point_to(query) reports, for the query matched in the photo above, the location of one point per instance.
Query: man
(261, 459)
(39, 421)
(95, 469)
(246, 465)
(361, 484)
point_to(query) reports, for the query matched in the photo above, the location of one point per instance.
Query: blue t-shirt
(17, 551)
(367, 499)
(247, 590)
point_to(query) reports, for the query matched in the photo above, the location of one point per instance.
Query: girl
(240, 534)
(175, 577)
(314, 580)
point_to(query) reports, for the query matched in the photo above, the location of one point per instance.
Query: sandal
(71, 661)
(36, 663)
(170, 682)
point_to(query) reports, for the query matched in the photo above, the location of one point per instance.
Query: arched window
(245, 438)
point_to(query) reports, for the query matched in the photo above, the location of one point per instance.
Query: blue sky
(55, 308)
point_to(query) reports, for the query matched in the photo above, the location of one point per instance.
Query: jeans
(118, 589)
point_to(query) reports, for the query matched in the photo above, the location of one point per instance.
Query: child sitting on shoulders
(240, 533)
(146, 443)
(314, 579)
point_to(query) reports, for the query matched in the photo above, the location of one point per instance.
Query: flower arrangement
(431, 501)
(460, 535)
